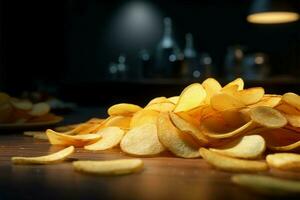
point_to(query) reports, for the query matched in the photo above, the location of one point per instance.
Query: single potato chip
(189, 128)
(239, 82)
(284, 161)
(251, 95)
(231, 89)
(267, 117)
(142, 141)
(109, 167)
(43, 160)
(267, 185)
(248, 147)
(123, 109)
(293, 120)
(174, 99)
(110, 137)
(143, 117)
(267, 100)
(75, 140)
(226, 163)
(122, 122)
(292, 99)
(39, 109)
(211, 86)
(224, 101)
(161, 107)
(158, 100)
(191, 97)
(21, 104)
(173, 139)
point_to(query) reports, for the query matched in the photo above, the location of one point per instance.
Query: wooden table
(164, 177)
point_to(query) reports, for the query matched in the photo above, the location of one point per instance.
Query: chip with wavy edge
(124, 109)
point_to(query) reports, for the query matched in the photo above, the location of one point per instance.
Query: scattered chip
(109, 167)
(142, 141)
(191, 97)
(42, 160)
(110, 137)
(75, 140)
(284, 161)
(248, 147)
(173, 139)
(226, 163)
(267, 185)
(39, 109)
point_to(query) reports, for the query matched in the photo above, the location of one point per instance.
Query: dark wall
(73, 40)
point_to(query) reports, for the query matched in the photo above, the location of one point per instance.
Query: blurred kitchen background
(103, 52)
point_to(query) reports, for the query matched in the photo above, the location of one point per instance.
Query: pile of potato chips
(230, 127)
(19, 111)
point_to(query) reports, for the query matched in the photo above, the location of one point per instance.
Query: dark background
(65, 47)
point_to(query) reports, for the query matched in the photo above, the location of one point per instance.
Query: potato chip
(251, 95)
(226, 163)
(293, 120)
(109, 167)
(142, 141)
(287, 109)
(142, 117)
(211, 87)
(21, 104)
(42, 160)
(124, 109)
(284, 161)
(40, 136)
(282, 139)
(248, 147)
(292, 99)
(191, 97)
(119, 121)
(223, 101)
(231, 89)
(239, 82)
(174, 99)
(173, 139)
(267, 117)
(75, 140)
(110, 137)
(189, 128)
(158, 100)
(161, 107)
(39, 109)
(267, 100)
(267, 185)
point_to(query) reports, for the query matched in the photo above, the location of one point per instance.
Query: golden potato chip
(173, 139)
(142, 117)
(174, 99)
(284, 161)
(223, 101)
(189, 128)
(287, 109)
(142, 141)
(119, 121)
(109, 167)
(110, 137)
(231, 89)
(239, 82)
(251, 95)
(39, 109)
(267, 117)
(293, 120)
(267, 185)
(292, 99)
(267, 100)
(211, 86)
(161, 107)
(21, 104)
(282, 139)
(42, 160)
(158, 100)
(226, 163)
(191, 97)
(124, 109)
(75, 140)
(248, 147)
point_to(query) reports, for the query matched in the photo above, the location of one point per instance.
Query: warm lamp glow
(272, 17)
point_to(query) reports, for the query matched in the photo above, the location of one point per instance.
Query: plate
(30, 125)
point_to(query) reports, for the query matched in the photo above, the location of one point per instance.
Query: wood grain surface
(164, 177)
